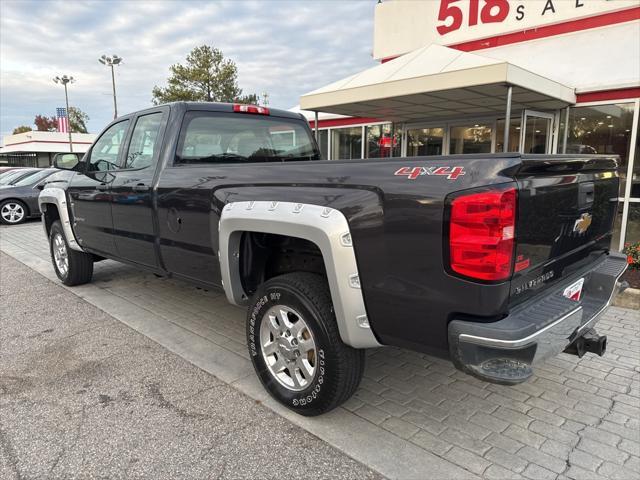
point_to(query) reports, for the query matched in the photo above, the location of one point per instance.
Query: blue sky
(285, 48)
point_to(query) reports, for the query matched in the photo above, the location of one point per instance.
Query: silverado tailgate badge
(582, 223)
(412, 173)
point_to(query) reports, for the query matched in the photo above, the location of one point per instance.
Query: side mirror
(66, 161)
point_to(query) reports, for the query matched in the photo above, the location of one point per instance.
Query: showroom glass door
(537, 128)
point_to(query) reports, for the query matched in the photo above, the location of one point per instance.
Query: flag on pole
(63, 120)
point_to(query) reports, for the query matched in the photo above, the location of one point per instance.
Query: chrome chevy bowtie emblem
(582, 223)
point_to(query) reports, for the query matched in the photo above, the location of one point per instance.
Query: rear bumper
(506, 351)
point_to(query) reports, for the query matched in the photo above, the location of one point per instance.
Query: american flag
(63, 120)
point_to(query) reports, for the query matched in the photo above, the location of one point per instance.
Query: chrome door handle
(102, 187)
(141, 187)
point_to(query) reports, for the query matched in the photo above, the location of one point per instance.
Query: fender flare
(58, 197)
(325, 227)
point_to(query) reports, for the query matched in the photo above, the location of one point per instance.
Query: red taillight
(481, 234)
(237, 107)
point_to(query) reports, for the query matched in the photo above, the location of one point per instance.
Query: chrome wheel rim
(288, 347)
(12, 212)
(60, 254)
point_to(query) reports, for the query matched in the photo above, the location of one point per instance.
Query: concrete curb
(630, 298)
(380, 450)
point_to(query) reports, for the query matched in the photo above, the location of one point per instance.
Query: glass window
(208, 137)
(537, 135)
(425, 141)
(12, 176)
(470, 139)
(379, 144)
(35, 178)
(514, 134)
(104, 154)
(323, 143)
(346, 143)
(633, 224)
(602, 129)
(617, 224)
(143, 141)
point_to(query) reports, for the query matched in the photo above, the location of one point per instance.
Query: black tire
(80, 264)
(339, 367)
(19, 204)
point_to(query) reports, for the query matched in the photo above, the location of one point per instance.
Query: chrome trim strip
(57, 196)
(494, 342)
(325, 227)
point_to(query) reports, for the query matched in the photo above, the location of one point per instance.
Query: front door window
(104, 154)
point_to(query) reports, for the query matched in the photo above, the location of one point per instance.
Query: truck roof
(228, 107)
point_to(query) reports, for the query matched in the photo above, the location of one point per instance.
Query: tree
(206, 77)
(78, 120)
(45, 124)
(22, 129)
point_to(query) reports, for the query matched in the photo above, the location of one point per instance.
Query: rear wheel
(295, 345)
(13, 212)
(72, 267)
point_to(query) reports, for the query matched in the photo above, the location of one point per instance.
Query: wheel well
(49, 214)
(266, 255)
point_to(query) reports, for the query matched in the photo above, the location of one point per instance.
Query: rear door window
(210, 137)
(142, 150)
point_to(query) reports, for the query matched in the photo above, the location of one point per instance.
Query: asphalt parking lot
(84, 396)
(413, 416)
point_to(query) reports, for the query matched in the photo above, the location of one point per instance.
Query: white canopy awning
(438, 82)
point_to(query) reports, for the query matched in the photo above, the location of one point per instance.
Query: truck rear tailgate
(566, 209)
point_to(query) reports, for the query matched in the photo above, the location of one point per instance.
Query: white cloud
(285, 48)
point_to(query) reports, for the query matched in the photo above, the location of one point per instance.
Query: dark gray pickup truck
(494, 261)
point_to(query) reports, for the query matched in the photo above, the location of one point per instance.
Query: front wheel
(295, 345)
(72, 267)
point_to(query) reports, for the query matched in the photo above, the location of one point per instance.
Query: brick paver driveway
(577, 418)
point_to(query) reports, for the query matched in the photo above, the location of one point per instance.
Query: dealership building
(37, 149)
(565, 74)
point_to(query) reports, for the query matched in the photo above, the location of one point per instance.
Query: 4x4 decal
(414, 172)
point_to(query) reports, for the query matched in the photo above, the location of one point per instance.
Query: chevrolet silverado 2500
(494, 261)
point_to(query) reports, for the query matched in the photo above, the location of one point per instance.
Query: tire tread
(350, 361)
(80, 263)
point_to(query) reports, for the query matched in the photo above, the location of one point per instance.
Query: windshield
(209, 137)
(12, 176)
(33, 178)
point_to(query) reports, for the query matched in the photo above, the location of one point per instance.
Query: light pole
(110, 62)
(64, 80)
